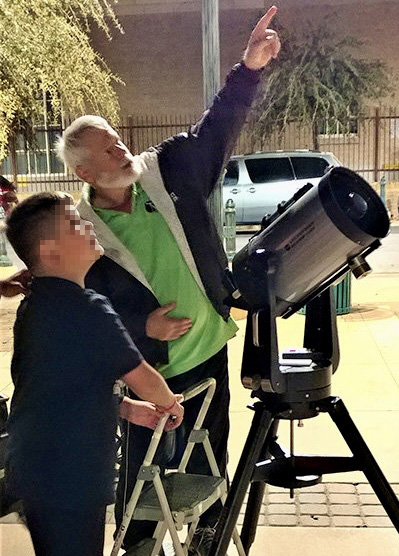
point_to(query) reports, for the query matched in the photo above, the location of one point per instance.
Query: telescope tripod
(293, 471)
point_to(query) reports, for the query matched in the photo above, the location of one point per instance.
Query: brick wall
(160, 55)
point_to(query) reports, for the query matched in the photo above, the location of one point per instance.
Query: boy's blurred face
(75, 246)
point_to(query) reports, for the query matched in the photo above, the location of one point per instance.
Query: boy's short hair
(33, 220)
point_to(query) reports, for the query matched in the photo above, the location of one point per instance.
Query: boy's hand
(16, 284)
(140, 413)
(147, 414)
(176, 413)
(162, 327)
(148, 384)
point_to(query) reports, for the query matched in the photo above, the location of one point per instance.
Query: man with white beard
(164, 260)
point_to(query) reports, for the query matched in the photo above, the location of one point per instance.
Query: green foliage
(45, 52)
(316, 81)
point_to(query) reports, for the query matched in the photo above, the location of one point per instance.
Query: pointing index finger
(265, 21)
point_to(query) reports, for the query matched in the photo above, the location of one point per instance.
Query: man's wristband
(169, 409)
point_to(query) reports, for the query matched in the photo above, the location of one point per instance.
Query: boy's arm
(120, 359)
(149, 385)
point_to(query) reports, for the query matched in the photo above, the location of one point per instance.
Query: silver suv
(258, 182)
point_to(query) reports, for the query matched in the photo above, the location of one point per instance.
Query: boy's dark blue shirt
(69, 348)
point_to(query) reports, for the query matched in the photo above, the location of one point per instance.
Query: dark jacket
(178, 175)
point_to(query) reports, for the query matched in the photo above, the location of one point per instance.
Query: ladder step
(184, 493)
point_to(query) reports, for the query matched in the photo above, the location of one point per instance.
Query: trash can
(342, 296)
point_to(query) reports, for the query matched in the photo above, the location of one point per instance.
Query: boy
(69, 349)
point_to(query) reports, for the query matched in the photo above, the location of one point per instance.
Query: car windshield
(269, 169)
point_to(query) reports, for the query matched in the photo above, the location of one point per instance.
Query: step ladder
(177, 498)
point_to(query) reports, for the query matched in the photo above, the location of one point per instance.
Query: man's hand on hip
(162, 327)
(263, 44)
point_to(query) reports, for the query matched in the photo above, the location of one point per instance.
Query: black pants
(64, 532)
(217, 423)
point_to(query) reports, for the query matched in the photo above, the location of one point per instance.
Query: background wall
(160, 55)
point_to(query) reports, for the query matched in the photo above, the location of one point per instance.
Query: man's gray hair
(69, 147)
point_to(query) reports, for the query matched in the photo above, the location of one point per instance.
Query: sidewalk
(346, 514)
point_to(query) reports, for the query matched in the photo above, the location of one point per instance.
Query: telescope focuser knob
(359, 267)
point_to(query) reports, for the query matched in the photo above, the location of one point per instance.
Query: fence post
(229, 229)
(14, 162)
(376, 143)
(383, 184)
(4, 258)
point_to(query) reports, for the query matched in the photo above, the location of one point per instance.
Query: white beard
(125, 178)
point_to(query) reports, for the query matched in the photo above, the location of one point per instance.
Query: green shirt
(148, 238)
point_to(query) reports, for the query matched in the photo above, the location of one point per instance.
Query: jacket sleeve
(201, 154)
(133, 303)
(98, 279)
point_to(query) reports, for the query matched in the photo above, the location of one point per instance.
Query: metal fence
(372, 148)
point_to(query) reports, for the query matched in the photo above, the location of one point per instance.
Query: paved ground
(324, 505)
(7, 316)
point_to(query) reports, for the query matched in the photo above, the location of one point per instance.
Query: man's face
(108, 162)
(75, 245)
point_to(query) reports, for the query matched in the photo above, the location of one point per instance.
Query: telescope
(310, 243)
(311, 240)
(301, 251)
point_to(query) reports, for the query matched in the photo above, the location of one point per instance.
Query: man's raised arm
(205, 149)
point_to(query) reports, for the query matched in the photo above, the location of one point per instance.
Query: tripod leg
(257, 491)
(340, 415)
(256, 438)
(251, 517)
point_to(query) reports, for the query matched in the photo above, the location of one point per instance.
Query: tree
(315, 82)
(45, 53)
